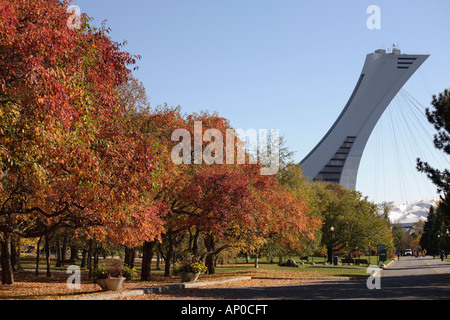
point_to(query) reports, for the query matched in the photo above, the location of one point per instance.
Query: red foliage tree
(230, 202)
(69, 154)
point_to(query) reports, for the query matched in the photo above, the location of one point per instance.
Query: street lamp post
(331, 244)
(439, 243)
(447, 233)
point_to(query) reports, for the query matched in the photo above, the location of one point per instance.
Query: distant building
(408, 215)
(337, 156)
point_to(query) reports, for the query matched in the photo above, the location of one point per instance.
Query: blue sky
(286, 64)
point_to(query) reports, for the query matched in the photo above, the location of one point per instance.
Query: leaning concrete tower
(337, 156)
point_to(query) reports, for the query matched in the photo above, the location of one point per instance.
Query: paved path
(415, 278)
(409, 278)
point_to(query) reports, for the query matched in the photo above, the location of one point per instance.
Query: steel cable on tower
(410, 138)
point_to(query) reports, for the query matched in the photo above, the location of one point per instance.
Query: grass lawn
(29, 286)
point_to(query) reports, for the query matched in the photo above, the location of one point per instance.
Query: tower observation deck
(337, 156)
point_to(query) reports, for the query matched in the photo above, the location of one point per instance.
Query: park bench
(361, 261)
(304, 258)
(348, 260)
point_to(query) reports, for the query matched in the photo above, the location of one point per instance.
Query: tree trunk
(195, 244)
(84, 258)
(169, 256)
(47, 255)
(95, 259)
(130, 254)
(58, 253)
(280, 260)
(158, 260)
(256, 259)
(210, 247)
(147, 256)
(64, 248)
(5, 258)
(73, 252)
(15, 253)
(89, 259)
(38, 256)
(211, 252)
(209, 262)
(96, 254)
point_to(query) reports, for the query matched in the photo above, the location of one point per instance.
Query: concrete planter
(111, 284)
(189, 276)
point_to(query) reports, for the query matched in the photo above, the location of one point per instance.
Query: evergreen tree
(429, 240)
(439, 219)
(439, 117)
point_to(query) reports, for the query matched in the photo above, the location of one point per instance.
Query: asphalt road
(409, 278)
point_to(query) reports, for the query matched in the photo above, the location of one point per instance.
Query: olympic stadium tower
(337, 156)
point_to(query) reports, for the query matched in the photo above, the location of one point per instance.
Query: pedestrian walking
(442, 255)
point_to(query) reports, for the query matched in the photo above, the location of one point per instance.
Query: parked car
(408, 252)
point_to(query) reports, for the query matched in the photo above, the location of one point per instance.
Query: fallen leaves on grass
(28, 286)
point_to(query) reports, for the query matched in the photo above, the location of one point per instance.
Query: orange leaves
(38, 47)
(234, 202)
(219, 194)
(72, 153)
(79, 155)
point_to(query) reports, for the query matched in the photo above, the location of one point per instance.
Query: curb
(172, 287)
(208, 283)
(389, 264)
(324, 279)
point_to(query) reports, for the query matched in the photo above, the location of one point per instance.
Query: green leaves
(439, 117)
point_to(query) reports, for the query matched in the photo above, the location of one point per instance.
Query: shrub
(129, 273)
(104, 272)
(192, 266)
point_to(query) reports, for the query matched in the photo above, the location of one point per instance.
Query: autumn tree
(217, 203)
(235, 202)
(291, 178)
(69, 155)
(161, 123)
(158, 125)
